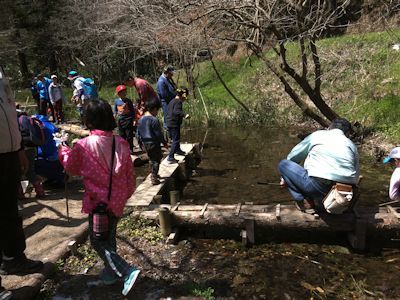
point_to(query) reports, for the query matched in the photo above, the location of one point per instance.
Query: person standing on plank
(124, 113)
(145, 92)
(166, 89)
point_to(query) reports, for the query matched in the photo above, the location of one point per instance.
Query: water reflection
(236, 159)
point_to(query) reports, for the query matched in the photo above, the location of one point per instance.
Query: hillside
(361, 80)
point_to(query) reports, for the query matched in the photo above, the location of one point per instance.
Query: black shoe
(180, 152)
(4, 294)
(20, 266)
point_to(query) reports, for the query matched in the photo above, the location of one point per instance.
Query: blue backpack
(32, 131)
(90, 88)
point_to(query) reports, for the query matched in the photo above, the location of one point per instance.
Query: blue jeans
(300, 185)
(107, 249)
(164, 106)
(175, 133)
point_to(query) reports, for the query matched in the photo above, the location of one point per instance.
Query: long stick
(66, 195)
(390, 202)
(204, 104)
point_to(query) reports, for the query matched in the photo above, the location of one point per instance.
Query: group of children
(148, 129)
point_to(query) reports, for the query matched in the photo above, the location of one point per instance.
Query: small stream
(237, 159)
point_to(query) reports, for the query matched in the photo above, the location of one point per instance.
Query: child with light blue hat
(394, 159)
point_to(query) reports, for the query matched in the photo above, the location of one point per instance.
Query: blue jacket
(165, 89)
(43, 89)
(49, 150)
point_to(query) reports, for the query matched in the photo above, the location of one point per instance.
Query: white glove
(60, 137)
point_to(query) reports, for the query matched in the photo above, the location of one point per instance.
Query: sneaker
(305, 206)
(155, 181)
(172, 161)
(180, 152)
(130, 281)
(4, 294)
(20, 266)
(108, 277)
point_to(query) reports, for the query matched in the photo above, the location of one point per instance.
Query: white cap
(53, 76)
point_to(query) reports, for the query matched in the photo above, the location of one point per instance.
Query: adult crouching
(329, 156)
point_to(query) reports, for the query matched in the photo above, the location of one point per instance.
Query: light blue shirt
(328, 154)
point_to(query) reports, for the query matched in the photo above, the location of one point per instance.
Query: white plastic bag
(338, 199)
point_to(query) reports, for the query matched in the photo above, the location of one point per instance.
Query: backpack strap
(111, 168)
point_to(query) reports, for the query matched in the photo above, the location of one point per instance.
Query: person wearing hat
(394, 159)
(166, 89)
(124, 113)
(78, 94)
(57, 98)
(329, 157)
(145, 92)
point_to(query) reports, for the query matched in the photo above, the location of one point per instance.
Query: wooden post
(165, 221)
(182, 171)
(73, 247)
(357, 239)
(249, 223)
(174, 197)
(157, 199)
(203, 210)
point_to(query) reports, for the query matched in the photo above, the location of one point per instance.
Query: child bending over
(394, 160)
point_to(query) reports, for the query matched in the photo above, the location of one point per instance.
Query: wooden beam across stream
(145, 192)
(273, 221)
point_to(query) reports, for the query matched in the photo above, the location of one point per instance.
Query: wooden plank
(238, 207)
(203, 210)
(176, 207)
(146, 191)
(393, 211)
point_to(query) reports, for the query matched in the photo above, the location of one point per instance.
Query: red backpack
(32, 131)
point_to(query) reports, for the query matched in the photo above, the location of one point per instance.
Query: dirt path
(47, 233)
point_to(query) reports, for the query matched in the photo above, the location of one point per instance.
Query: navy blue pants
(175, 134)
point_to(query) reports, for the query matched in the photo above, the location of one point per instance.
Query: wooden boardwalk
(145, 192)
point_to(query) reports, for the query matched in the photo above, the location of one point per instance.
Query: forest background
(255, 61)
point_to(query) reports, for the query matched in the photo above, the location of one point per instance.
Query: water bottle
(100, 222)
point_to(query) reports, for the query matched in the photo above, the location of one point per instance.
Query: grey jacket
(10, 136)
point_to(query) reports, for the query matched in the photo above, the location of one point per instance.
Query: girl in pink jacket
(91, 158)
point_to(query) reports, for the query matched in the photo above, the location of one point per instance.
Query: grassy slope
(361, 81)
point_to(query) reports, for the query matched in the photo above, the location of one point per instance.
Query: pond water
(236, 160)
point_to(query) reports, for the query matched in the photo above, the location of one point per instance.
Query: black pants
(43, 108)
(12, 237)
(155, 156)
(125, 129)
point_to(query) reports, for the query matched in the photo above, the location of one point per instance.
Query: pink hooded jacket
(91, 159)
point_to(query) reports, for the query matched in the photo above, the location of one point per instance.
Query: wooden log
(74, 129)
(222, 221)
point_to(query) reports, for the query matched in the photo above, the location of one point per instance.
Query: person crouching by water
(330, 157)
(124, 112)
(104, 162)
(394, 159)
(150, 136)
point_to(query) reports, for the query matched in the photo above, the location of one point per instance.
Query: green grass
(361, 81)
